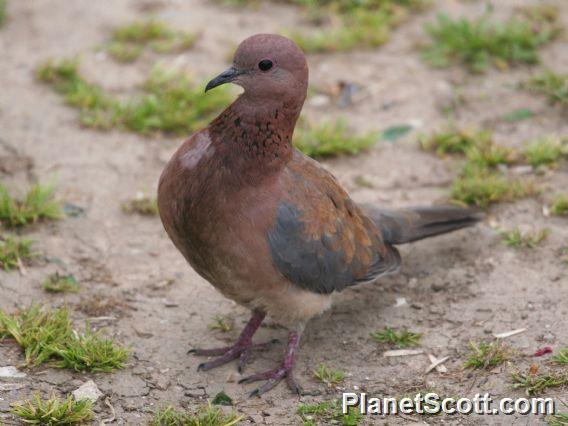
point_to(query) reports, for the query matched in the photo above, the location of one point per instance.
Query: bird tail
(413, 224)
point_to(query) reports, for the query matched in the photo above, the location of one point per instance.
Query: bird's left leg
(283, 371)
(241, 349)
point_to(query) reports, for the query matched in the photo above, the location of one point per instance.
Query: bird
(269, 227)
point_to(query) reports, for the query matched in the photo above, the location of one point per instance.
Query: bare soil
(459, 287)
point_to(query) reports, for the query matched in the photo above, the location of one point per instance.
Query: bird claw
(273, 377)
(240, 349)
(208, 352)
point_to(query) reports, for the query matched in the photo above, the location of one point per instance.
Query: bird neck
(258, 131)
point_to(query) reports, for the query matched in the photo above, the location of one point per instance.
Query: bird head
(267, 66)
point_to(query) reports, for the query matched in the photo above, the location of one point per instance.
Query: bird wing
(321, 240)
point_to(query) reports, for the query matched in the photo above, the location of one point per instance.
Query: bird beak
(225, 77)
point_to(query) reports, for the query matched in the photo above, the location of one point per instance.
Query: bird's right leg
(241, 349)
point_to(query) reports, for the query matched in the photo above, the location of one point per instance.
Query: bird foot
(273, 377)
(242, 349)
(276, 375)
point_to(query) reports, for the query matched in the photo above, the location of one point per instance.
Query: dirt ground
(458, 287)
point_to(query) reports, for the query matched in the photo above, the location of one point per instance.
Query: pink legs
(242, 350)
(285, 370)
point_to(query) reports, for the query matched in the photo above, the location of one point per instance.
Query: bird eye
(265, 65)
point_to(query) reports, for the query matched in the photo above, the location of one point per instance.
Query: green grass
(124, 52)
(328, 376)
(544, 151)
(486, 355)
(90, 352)
(358, 24)
(57, 283)
(145, 206)
(330, 139)
(328, 412)
(14, 252)
(47, 335)
(2, 12)
(96, 107)
(167, 101)
(562, 357)
(360, 30)
(560, 419)
(54, 411)
(221, 323)
(516, 239)
(482, 187)
(39, 332)
(542, 14)
(536, 384)
(482, 42)
(38, 204)
(222, 399)
(398, 339)
(171, 104)
(559, 205)
(552, 85)
(478, 146)
(206, 416)
(518, 114)
(453, 140)
(128, 41)
(480, 182)
(564, 255)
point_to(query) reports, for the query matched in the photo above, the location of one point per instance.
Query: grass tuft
(2, 12)
(14, 252)
(57, 283)
(399, 339)
(559, 205)
(328, 412)
(544, 151)
(94, 105)
(482, 42)
(91, 352)
(143, 205)
(38, 204)
(453, 140)
(564, 255)
(481, 187)
(47, 335)
(54, 411)
(206, 416)
(535, 384)
(354, 24)
(128, 41)
(486, 355)
(562, 357)
(168, 101)
(478, 146)
(221, 323)
(330, 139)
(550, 84)
(516, 239)
(328, 376)
(171, 104)
(480, 183)
(560, 419)
(124, 52)
(37, 331)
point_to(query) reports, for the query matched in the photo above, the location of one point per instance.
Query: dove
(269, 227)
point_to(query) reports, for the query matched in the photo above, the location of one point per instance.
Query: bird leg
(285, 370)
(241, 349)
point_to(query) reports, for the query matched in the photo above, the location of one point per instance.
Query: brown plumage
(267, 226)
